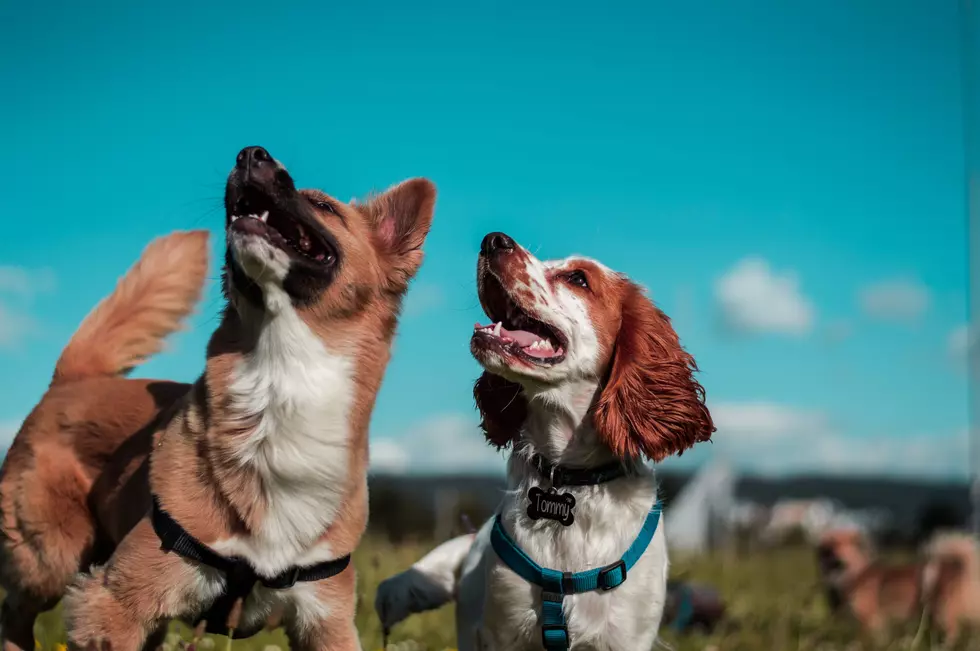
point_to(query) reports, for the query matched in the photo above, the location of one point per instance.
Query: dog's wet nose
(253, 156)
(495, 243)
(256, 165)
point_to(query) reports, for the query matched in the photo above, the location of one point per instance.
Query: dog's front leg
(324, 615)
(129, 598)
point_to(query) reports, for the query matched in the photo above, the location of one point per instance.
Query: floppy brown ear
(401, 217)
(651, 404)
(503, 409)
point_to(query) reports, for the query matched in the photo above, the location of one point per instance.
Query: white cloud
(13, 326)
(754, 298)
(421, 298)
(25, 282)
(895, 300)
(773, 439)
(757, 422)
(445, 443)
(936, 456)
(390, 456)
(764, 438)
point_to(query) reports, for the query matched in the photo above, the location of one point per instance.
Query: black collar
(566, 476)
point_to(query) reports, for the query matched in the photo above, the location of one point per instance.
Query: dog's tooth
(264, 216)
(496, 328)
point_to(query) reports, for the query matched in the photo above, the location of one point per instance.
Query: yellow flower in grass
(60, 647)
(37, 645)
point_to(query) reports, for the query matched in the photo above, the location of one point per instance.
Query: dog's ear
(651, 405)
(503, 409)
(401, 217)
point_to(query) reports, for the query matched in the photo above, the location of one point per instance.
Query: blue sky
(786, 178)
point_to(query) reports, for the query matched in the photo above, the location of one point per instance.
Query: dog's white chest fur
(302, 394)
(606, 523)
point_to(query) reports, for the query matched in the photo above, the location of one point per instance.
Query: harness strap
(555, 585)
(685, 608)
(239, 574)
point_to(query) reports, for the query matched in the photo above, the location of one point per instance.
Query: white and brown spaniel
(584, 379)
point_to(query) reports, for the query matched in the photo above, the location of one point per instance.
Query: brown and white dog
(581, 369)
(945, 583)
(263, 458)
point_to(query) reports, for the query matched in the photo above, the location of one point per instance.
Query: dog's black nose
(495, 243)
(256, 165)
(252, 156)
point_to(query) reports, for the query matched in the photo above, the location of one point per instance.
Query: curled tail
(952, 557)
(148, 304)
(427, 585)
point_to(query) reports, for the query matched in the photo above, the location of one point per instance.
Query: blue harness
(685, 609)
(555, 585)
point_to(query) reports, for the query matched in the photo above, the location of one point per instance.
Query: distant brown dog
(244, 492)
(875, 593)
(945, 584)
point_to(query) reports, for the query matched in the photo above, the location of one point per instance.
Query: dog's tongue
(522, 338)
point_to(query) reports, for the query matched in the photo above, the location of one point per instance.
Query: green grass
(773, 602)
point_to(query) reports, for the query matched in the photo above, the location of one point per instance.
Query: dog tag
(551, 505)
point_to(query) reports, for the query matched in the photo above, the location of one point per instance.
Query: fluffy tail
(952, 556)
(427, 585)
(149, 303)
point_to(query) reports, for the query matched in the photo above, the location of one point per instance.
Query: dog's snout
(251, 156)
(495, 243)
(827, 559)
(256, 166)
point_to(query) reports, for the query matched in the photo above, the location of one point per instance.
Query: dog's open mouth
(514, 332)
(828, 561)
(256, 216)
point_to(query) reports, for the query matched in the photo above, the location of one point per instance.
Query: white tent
(699, 517)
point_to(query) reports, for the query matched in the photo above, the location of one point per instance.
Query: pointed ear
(651, 404)
(503, 409)
(401, 217)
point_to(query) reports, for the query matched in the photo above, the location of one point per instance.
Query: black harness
(240, 576)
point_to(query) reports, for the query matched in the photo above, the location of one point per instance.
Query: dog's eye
(577, 278)
(325, 205)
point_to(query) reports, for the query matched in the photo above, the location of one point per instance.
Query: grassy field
(773, 602)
